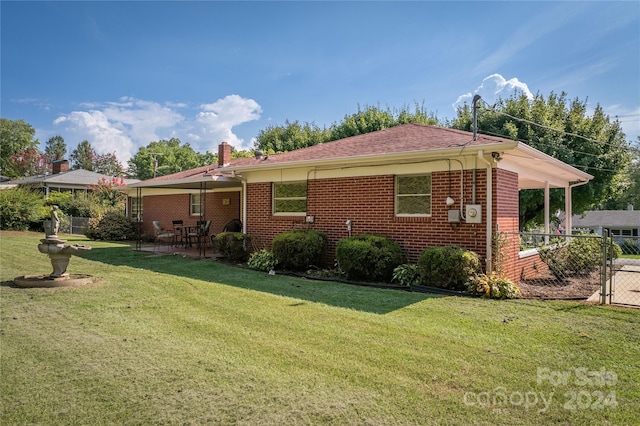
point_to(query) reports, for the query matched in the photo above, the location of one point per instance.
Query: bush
(406, 275)
(630, 246)
(262, 260)
(368, 257)
(76, 205)
(449, 267)
(494, 286)
(232, 245)
(21, 209)
(297, 250)
(579, 257)
(113, 225)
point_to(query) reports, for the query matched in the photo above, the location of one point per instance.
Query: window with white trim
(413, 195)
(290, 198)
(196, 206)
(136, 208)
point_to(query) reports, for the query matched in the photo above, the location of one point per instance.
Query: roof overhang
(536, 169)
(377, 159)
(200, 182)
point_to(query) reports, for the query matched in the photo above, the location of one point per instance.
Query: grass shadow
(367, 299)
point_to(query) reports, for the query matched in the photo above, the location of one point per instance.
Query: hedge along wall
(368, 201)
(167, 208)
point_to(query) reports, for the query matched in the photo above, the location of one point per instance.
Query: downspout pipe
(244, 206)
(489, 236)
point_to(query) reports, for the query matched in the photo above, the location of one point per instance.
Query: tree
(15, 136)
(563, 130)
(291, 136)
(29, 162)
(165, 157)
(108, 164)
(83, 156)
(109, 191)
(55, 149)
(628, 183)
(294, 135)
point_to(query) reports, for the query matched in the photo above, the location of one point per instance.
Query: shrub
(77, 205)
(578, 257)
(113, 225)
(21, 209)
(493, 286)
(449, 267)
(630, 246)
(368, 257)
(406, 275)
(262, 260)
(297, 250)
(232, 245)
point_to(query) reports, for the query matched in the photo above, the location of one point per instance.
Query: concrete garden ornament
(59, 253)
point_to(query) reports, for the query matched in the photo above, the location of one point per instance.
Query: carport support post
(546, 213)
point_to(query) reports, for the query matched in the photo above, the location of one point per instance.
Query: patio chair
(178, 232)
(162, 235)
(199, 233)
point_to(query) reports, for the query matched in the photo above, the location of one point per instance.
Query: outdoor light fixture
(450, 201)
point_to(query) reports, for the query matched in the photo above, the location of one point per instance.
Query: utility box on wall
(454, 216)
(474, 213)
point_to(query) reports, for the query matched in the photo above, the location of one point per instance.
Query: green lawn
(172, 340)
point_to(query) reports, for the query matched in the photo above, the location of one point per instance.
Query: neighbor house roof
(607, 219)
(75, 178)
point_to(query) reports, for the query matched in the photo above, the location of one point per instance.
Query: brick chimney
(60, 166)
(224, 154)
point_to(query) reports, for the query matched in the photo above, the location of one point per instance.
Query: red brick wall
(528, 267)
(505, 210)
(167, 208)
(369, 203)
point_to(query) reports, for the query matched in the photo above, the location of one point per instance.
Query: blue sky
(123, 74)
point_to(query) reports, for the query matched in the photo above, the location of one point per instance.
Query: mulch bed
(548, 287)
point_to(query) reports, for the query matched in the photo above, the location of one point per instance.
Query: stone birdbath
(60, 254)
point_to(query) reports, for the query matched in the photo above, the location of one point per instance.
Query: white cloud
(493, 87)
(129, 123)
(217, 119)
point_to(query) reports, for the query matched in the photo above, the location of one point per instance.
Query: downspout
(489, 238)
(244, 206)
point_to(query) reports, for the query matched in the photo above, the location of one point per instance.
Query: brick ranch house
(420, 185)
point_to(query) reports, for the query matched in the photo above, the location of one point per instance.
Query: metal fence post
(603, 292)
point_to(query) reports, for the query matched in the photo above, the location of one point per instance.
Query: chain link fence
(623, 286)
(577, 267)
(73, 225)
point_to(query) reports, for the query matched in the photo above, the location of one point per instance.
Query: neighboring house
(63, 180)
(419, 185)
(621, 223)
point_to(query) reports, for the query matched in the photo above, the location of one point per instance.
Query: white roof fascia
(183, 182)
(368, 160)
(580, 176)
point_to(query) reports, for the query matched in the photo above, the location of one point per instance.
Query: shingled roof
(403, 139)
(608, 219)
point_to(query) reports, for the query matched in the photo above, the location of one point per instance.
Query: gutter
(375, 159)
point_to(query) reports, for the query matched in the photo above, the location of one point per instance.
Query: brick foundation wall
(369, 203)
(528, 267)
